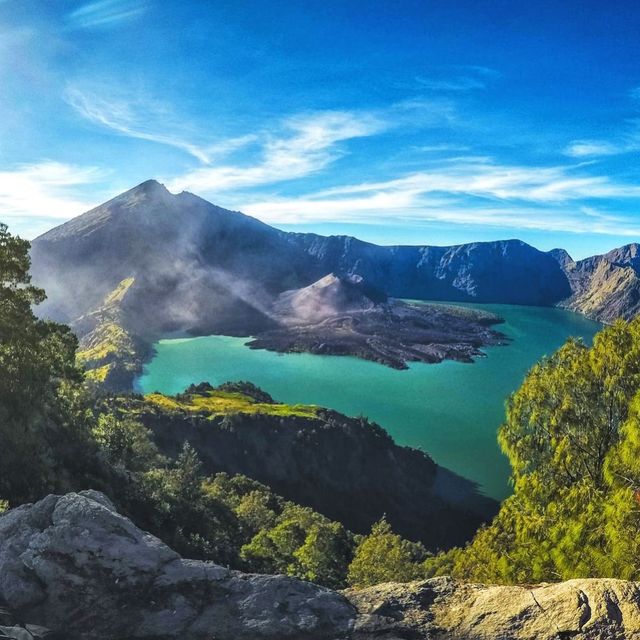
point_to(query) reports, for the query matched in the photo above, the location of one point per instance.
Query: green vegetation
(384, 556)
(224, 402)
(108, 352)
(40, 420)
(58, 436)
(572, 435)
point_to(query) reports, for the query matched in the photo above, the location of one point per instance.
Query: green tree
(383, 556)
(325, 555)
(126, 442)
(572, 437)
(37, 370)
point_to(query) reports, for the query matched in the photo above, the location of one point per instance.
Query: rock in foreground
(443, 609)
(73, 564)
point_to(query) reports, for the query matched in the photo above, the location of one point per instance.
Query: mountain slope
(193, 267)
(348, 469)
(192, 260)
(200, 265)
(604, 287)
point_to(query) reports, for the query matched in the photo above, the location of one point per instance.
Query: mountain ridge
(202, 269)
(280, 260)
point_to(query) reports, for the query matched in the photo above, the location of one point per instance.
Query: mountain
(329, 296)
(149, 262)
(199, 265)
(604, 287)
(343, 315)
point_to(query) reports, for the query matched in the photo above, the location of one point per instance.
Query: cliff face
(345, 468)
(71, 567)
(605, 287)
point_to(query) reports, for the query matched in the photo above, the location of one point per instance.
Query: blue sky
(417, 122)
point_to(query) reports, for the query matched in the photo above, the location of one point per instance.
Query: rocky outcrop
(72, 563)
(604, 287)
(344, 316)
(442, 609)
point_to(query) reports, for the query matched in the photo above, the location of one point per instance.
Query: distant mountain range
(150, 262)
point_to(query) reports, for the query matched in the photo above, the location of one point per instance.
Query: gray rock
(73, 564)
(73, 568)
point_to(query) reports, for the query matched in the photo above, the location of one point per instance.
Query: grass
(99, 374)
(107, 340)
(221, 403)
(118, 294)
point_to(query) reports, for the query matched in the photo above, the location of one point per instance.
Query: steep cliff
(346, 468)
(605, 287)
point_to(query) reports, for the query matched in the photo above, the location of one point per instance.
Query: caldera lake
(451, 410)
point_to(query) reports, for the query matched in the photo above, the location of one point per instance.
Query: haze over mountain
(149, 262)
(191, 251)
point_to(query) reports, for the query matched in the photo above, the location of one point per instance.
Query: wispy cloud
(106, 13)
(587, 148)
(144, 118)
(465, 78)
(45, 190)
(626, 140)
(453, 84)
(476, 193)
(307, 144)
(444, 147)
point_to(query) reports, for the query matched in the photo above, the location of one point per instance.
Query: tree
(38, 379)
(325, 555)
(572, 435)
(126, 442)
(384, 556)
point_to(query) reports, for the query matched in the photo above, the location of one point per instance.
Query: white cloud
(454, 84)
(44, 190)
(145, 119)
(479, 177)
(473, 77)
(586, 148)
(480, 194)
(106, 13)
(626, 140)
(308, 143)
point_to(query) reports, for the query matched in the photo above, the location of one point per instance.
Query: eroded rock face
(72, 563)
(439, 609)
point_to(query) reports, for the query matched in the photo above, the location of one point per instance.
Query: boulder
(443, 609)
(72, 568)
(71, 563)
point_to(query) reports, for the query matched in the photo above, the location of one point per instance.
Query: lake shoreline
(451, 410)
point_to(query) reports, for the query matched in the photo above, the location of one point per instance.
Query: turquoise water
(451, 410)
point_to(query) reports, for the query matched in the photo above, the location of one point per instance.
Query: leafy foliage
(572, 435)
(384, 556)
(39, 380)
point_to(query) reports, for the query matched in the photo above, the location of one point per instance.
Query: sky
(414, 122)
